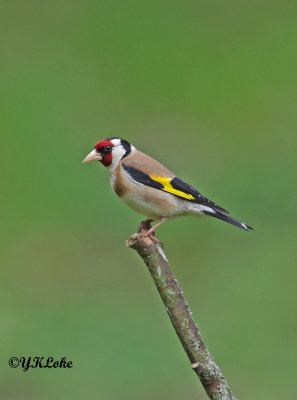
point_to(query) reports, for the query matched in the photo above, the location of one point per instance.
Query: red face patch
(104, 147)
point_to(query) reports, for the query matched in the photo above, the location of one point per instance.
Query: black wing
(198, 197)
(174, 185)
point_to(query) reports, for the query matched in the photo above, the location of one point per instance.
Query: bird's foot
(150, 235)
(154, 239)
(146, 230)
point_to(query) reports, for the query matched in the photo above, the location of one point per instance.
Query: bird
(151, 189)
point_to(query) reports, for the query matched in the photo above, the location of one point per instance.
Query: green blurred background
(208, 89)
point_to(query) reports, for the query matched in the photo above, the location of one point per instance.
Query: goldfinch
(151, 189)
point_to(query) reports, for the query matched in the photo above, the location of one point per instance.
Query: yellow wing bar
(167, 187)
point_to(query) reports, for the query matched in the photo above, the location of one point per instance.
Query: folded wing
(172, 185)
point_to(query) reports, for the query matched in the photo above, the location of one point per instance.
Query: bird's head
(109, 151)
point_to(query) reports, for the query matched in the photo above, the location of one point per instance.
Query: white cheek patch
(117, 154)
(118, 151)
(116, 142)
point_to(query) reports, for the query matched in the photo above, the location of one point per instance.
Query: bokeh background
(208, 89)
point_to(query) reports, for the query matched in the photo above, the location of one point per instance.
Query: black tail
(226, 218)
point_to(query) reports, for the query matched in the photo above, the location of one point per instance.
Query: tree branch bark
(178, 310)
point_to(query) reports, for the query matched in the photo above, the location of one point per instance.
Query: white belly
(139, 204)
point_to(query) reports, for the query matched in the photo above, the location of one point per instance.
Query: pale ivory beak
(93, 156)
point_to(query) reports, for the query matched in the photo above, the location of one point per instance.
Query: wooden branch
(178, 310)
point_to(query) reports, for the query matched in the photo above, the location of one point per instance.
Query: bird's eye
(107, 149)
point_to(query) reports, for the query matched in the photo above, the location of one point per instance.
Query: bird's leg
(156, 226)
(150, 232)
(144, 225)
